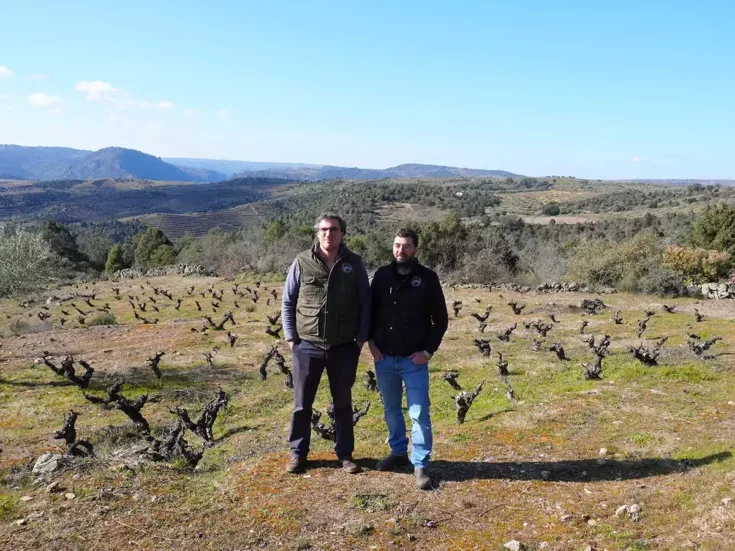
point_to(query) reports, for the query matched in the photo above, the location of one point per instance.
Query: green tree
(97, 247)
(163, 255)
(147, 253)
(62, 242)
(115, 260)
(715, 229)
(275, 230)
(374, 248)
(442, 243)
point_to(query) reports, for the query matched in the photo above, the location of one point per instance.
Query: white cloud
(636, 159)
(5, 72)
(223, 113)
(3, 96)
(43, 100)
(165, 105)
(37, 76)
(96, 89)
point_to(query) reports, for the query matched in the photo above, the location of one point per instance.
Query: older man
(326, 321)
(409, 322)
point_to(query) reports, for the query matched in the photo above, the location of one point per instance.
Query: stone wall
(177, 269)
(555, 287)
(718, 290)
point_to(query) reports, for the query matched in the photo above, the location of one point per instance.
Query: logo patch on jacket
(416, 282)
(347, 267)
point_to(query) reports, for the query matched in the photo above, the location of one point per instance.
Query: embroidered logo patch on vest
(347, 267)
(416, 282)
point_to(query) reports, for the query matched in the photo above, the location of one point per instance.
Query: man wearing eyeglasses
(326, 321)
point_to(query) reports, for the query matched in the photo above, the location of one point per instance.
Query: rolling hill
(31, 163)
(231, 167)
(62, 163)
(117, 162)
(328, 172)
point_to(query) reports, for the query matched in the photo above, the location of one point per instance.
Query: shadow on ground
(581, 470)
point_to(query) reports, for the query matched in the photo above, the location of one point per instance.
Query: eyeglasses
(329, 229)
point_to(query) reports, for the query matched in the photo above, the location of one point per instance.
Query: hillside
(79, 200)
(117, 162)
(314, 173)
(19, 162)
(231, 167)
(60, 163)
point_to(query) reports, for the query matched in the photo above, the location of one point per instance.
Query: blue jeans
(391, 372)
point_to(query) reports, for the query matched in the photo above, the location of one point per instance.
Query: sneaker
(392, 461)
(423, 482)
(296, 465)
(349, 466)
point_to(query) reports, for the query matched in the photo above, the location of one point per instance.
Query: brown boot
(349, 466)
(296, 465)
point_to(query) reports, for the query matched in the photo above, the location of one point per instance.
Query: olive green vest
(328, 308)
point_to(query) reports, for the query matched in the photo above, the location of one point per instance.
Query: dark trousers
(309, 362)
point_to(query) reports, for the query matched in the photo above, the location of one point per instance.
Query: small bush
(698, 265)
(107, 318)
(23, 327)
(8, 505)
(662, 282)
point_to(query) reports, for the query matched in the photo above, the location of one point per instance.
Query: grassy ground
(530, 470)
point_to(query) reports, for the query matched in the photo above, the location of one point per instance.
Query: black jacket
(409, 312)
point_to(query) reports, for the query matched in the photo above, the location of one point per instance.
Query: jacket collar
(343, 251)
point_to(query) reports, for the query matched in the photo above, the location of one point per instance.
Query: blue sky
(591, 89)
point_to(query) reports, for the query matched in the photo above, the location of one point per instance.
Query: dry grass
(527, 470)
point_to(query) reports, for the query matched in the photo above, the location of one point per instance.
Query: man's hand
(375, 351)
(419, 358)
(291, 345)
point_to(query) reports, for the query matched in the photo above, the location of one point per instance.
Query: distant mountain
(117, 162)
(436, 171)
(36, 162)
(230, 167)
(401, 171)
(57, 163)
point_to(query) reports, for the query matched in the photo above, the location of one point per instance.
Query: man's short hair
(407, 232)
(329, 216)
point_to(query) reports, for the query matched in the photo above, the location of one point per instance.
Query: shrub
(551, 209)
(23, 327)
(8, 506)
(27, 263)
(663, 282)
(106, 318)
(602, 263)
(697, 265)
